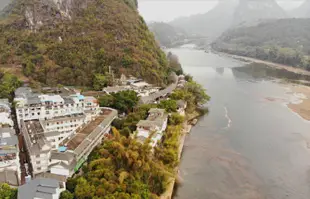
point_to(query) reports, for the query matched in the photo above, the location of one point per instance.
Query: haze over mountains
(303, 11)
(201, 24)
(3, 3)
(228, 14)
(251, 11)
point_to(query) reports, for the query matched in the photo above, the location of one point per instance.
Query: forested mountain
(210, 24)
(167, 34)
(71, 41)
(251, 11)
(285, 41)
(303, 11)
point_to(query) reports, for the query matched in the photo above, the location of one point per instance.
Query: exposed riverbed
(251, 145)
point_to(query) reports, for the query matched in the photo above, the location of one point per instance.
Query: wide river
(250, 145)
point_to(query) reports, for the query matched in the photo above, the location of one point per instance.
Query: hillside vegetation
(284, 41)
(167, 34)
(71, 42)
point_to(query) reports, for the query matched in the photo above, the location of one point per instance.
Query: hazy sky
(167, 10)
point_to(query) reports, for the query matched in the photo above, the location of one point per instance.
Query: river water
(250, 145)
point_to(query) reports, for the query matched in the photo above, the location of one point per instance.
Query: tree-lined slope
(71, 41)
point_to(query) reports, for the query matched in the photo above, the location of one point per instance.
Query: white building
(115, 89)
(153, 126)
(76, 149)
(41, 188)
(9, 157)
(32, 106)
(60, 151)
(182, 105)
(5, 114)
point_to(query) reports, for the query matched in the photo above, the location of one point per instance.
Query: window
(38, 162)
(38, 168)
(37, 156)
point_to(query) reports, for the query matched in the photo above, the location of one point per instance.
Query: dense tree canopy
(74, 52)
(123, 101)
(8, 84)
(284, 41)
(121, 168)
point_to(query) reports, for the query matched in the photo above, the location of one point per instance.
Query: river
(250, 145)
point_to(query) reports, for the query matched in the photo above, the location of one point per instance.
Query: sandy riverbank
(302, 108)
(276, 65)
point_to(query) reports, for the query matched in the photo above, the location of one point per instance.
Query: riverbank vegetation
(284, 41)
(123, 168)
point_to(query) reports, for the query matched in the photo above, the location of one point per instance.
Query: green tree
(100, 81)
(125, 101)
(66, 195)
(176, 119)
(106, 101)
(6, 192)
(84, 190)
(8, 84)
(198, 91)
(168, 105)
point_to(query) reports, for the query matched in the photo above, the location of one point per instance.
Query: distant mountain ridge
(167, 34)
(251, 11)
(303, 11)
(210, 24)
(228, 14)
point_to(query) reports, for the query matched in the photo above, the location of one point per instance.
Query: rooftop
(5, 105)
(23, 92)
(156, 118)
(34, 137)
(35, 130)
(62, 118)
(116, 89)
(10, 177)
(8, 137)
(39, 188)
(79, 137)
(5, 119)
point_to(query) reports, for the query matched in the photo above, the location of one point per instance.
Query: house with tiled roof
(153, 127)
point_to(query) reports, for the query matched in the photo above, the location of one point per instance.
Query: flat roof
(62, 118)
(81, 135)
(86, 135)
(34, 130)
(8, 137)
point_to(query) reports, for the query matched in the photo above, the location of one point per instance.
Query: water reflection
(260, 155)
(262, 71)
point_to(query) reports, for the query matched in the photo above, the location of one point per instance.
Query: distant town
(47, 135)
